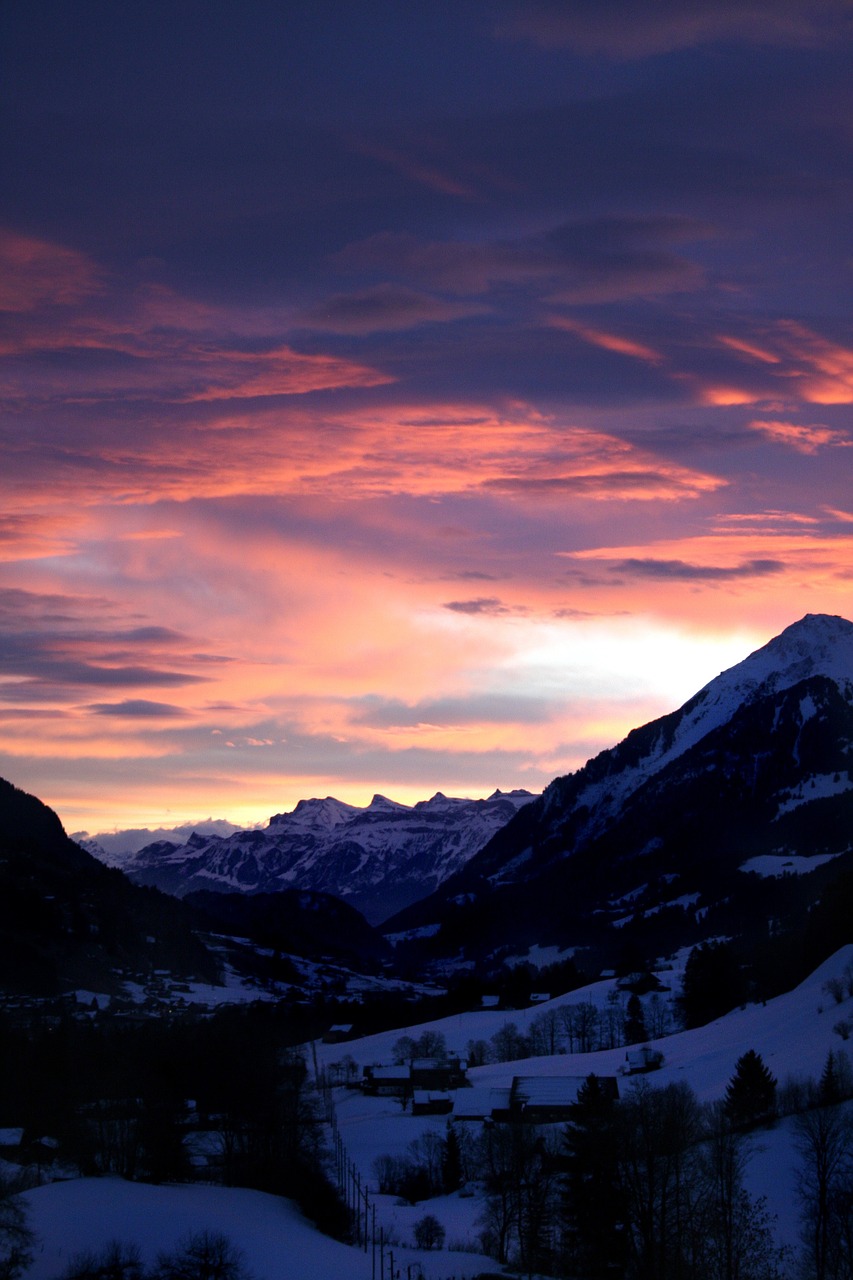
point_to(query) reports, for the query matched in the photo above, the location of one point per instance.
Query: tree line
(652, 1186)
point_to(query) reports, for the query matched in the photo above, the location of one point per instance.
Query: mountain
(297, 922)
(68, 922)
(379, 858)
(664, 839)
(114, 848)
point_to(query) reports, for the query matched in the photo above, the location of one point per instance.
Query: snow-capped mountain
(752, 774)
(115, 848)
(379, 858)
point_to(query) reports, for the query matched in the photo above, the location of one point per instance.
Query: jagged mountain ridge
(757, 765)
(379, 858)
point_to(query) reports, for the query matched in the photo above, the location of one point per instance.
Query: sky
(407, 397)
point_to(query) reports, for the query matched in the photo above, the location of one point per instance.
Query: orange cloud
(749, 349)
(804, 367)
(607, 341)
(805, 439)
(282, 372)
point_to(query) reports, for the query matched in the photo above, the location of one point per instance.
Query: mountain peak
(820, 644)
(381, 804)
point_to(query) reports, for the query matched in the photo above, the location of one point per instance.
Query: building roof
(480, 1102)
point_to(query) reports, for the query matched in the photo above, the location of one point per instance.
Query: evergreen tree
(451, 1162)
(635, 1023)
(593, 1207)
(713, 983)
(751, 1092)
(829, 1086)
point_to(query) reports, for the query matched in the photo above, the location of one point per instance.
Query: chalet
(483, 1102)
(431, 1102)
(435, 1075)
(387, 1082)
(439, 1073)
(527, 1100)
(550, 1099)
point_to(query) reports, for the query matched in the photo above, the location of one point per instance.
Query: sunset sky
(407, 397)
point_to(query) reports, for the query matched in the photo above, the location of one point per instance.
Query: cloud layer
(402, 400)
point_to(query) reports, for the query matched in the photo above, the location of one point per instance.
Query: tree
(824, 1139)
(16, 1238)
(451, 1162)
(204, 1255)
(713, 983)
(508, 1044)
(431, 1044)
(429, 1233)
(118, 1260)
(751, 1092)
(635, 1023)
(403, 1050)
(660, 1173)
(593, 1216)
(738, 1241)
(545, 1034)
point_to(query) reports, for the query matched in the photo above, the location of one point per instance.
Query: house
(527, 1100)
(540, 997)
(642, 1058)
(387, 1082)
(439, 1073)
(483, 1102)
(431, 1102)
(338, 1033)
(550, 1099)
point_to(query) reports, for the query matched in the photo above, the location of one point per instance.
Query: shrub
(429, 1233)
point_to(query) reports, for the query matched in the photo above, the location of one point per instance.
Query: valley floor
(793, 1033)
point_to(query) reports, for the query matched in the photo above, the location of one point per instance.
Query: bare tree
(204, 1255)
(824, 1138)
(16, 1238)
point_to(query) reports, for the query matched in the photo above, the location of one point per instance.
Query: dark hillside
(68, 922)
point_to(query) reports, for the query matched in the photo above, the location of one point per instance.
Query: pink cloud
(607, 341)
(34, 273)
(804, 439)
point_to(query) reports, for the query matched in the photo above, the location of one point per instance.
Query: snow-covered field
(276, 1241)
(793, 1033)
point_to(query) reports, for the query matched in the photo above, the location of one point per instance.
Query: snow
(793, 1033)
(69, 1217)
(818, 786)
(785, 864)
(817, 645)
(276, 1241)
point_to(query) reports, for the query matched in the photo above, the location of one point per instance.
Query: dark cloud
(481, 605)
(621, 29)
(385, 307)
(615, 484)
(491, 708)
(592, 260)
(57, 661)
(680, 570)
(137, 708)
